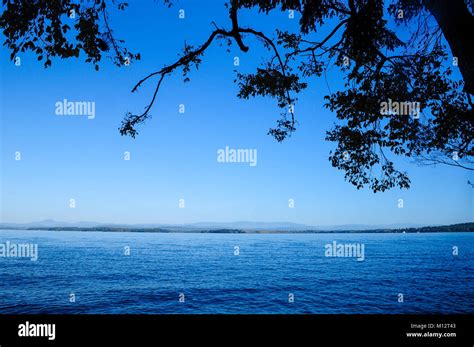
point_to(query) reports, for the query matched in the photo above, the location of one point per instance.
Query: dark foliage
(378, 66)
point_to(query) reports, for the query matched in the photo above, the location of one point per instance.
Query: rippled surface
(93, 266)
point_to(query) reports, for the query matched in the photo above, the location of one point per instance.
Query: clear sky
(175, 155)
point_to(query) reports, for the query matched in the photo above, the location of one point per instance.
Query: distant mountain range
(234, 227)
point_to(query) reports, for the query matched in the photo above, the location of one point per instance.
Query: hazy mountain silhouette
(242, 225)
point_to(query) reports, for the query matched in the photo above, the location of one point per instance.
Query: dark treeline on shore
(462, 227)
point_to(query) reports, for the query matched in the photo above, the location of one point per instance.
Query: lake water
(268, 270)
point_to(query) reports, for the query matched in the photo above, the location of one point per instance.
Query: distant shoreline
(463, 227)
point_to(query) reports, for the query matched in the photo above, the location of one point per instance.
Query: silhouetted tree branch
(376, 64)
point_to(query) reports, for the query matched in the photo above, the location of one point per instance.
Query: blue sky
(174, 156)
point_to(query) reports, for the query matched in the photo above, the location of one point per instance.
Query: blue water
(203, 267)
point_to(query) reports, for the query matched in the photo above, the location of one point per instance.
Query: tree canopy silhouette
(378, 67)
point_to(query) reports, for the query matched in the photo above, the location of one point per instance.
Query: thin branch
(318, 45)
(111, 37)
(423, 160)
(280, 61)
(185, 59)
